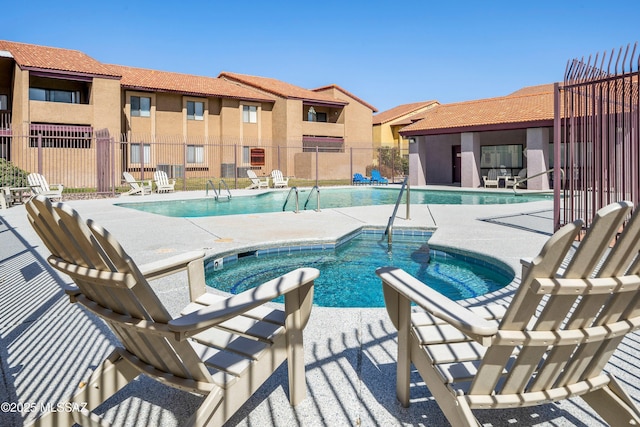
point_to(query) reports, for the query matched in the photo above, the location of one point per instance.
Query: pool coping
(285, 248)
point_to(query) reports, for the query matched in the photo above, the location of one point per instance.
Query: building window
(140, 106)
(494, 156)
(135, 153)
(195, 110)
(3, 102)
(249, 114)
(54, 95)
(321, 117)
(195, 153)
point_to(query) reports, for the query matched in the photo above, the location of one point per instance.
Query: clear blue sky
(387, 53)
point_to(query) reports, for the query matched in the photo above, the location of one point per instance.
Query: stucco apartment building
(387, 124)
(327, 119)
(461, 142)
(164, 119)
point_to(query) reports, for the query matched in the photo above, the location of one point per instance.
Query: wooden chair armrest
(174, 264)
(192, 323)
(438, 305)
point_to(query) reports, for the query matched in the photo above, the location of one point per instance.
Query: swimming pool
(273, 201)
(347, 268)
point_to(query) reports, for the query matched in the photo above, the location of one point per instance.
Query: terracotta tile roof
(55, 59)
(280, 88)
(532, 90)
(531, 106)
(349, 94)
(400, 111)
(164, 81)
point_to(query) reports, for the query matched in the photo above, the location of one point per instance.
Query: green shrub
(12, 176)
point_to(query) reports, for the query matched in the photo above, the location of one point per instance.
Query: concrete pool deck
(48, 345)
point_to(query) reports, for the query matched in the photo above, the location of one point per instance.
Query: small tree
(12, 176)
(392, 162)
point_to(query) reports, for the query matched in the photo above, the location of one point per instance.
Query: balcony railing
(5, 120)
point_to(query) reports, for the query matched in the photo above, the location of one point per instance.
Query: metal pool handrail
(294, 190)
(317, 189)
(519, 181)
(217, 193)
(222, 182)
(389, 230)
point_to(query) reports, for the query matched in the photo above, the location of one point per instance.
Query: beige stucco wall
(20, 105)
(168, 118)
(105, 98)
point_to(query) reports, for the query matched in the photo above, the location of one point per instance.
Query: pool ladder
(217, 194)
(296, 192)
(389, 230)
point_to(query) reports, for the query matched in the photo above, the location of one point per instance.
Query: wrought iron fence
(90, 163)
(597, 145)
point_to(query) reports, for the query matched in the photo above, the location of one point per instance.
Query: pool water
(347, 270)
(329, 198)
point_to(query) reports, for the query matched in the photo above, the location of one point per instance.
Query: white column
(470, 159)
(538, 158)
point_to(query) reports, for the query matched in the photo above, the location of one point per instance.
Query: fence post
(317, 165)
(184, 165)
(279, 158)
(141, 147)
(393, 163)
(351, 163)
(235, 166)
(112, 168)
(40, 153)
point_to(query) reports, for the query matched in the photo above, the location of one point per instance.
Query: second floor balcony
(323, 129)
(58, 112)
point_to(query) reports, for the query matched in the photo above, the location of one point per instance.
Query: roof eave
(307, 101)
(479, 128)
(200, 94)
(66, 73)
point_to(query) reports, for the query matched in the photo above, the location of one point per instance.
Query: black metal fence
(91, 163)
(597, 149)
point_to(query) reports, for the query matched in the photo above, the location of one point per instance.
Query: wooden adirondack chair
(279, 181)
(137, 187)
(491, 179)
(163, 183)
(223, 348)
(39, 185)
(553, 340)
(257, 182)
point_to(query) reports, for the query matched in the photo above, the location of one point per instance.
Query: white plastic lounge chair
(278, 180)
(163, 183)
(491, 179)
(137, 187)
(223, 348)
(257, 182)
(39, 185)
(553, 340)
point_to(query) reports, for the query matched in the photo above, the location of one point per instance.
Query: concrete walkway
(48, 345)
